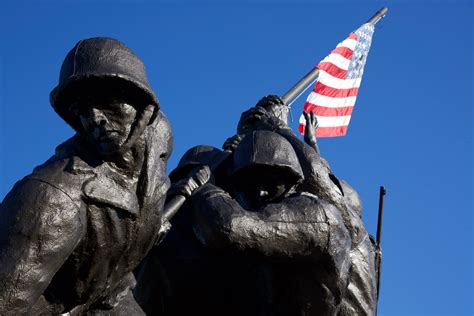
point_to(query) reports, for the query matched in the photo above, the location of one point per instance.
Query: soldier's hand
(250, 118)
(201, 175)
(232, 142)
(270, 101)
(310, 128)
(311, 121)
(196, 178)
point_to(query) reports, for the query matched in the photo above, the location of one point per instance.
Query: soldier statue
(274, 232)
(73, 231)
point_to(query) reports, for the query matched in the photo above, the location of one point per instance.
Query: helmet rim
(59, 91)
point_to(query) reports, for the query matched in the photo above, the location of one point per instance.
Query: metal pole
(289, 96)
(300, 85)
(379, 221)
(378, 15)
(378, 252)
(172, 207)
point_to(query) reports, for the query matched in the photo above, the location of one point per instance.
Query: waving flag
(340, 73)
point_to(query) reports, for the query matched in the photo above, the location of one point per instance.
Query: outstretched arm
(39, 228)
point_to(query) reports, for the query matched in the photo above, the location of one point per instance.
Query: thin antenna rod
(378, 252)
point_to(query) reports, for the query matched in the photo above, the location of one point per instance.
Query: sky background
(208, 61)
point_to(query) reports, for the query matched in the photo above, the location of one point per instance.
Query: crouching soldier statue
(275, 233)
(293, 245)
(72, 232)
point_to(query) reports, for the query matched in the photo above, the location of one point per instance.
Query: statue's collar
(106, 186)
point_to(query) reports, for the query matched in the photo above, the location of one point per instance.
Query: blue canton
(359, 56)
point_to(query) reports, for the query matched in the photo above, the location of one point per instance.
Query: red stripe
(343, 51)
(325, 111)
(331, 131)
(333, 70)
(326, 131)
(301, 129)
(327, 91)
(352, 36)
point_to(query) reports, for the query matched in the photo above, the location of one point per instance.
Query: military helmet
(94, 59)
(267, 150)
(196, 156)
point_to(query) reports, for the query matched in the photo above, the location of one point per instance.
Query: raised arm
(39, 228)
(310, 130)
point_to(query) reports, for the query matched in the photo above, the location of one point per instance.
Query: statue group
(265, 228)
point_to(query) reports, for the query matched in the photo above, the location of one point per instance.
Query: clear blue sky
(208, 61)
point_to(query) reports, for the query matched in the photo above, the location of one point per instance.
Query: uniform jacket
(72, 231)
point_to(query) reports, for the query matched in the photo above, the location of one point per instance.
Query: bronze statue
(72, 232)
(275, 233)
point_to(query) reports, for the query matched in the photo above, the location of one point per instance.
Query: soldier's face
(260, 191)
(107, 122)
(259, 195)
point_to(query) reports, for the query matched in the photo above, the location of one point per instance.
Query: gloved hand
(232, 142)
(196, 178)
(266, 115)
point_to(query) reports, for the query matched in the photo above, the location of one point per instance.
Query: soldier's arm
(39, 228)
(298, 227)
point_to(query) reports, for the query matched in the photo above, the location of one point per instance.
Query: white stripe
(333, 82)
(349, 43)
(333, 121)
(302, 120)
(329, 102)
(337, 60)
(329, 121)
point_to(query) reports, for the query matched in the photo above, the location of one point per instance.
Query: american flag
(340, 73)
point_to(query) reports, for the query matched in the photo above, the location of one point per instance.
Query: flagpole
(173, 206)
(311, 76)
(378, 16)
